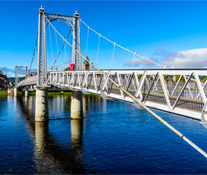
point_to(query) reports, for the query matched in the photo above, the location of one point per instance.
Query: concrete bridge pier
(76, 105)
(15, 92)
(41, 105)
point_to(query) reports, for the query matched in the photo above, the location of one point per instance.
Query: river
(113, 138)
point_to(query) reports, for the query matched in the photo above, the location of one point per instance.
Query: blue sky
(167, 32)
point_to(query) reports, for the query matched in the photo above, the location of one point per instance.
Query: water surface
(114, 137)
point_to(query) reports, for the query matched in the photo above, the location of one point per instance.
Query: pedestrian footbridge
(178, 91)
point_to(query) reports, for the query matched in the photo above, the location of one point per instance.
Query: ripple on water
(114, 137)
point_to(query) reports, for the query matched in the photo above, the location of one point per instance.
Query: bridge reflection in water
(113, 137)
(50, 156)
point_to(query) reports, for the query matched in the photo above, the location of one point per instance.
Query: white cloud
(194, 58)
(11, 72)
(188, 58)
(138, 62)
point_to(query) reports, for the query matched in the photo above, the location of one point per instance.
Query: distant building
(192, 85)
(4, 81)
(86, 65)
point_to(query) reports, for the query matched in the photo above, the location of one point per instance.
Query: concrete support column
(15, 92)
(26, 92)
(41, 106)
(76, 105)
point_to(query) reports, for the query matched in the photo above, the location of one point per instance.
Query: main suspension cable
(136, 54)
(33, 54)
(65, 54)
(135, 100)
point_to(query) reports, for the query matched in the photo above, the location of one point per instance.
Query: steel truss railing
(154, 87)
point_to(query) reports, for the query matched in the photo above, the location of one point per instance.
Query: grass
(90, 95)
(58, 93)
(3, 93)
(62, 93)
(53, 93)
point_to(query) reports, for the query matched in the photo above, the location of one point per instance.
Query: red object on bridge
(72, 66)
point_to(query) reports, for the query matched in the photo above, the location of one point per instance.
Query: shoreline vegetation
(5, 93)
(62, 93)
(53, 93)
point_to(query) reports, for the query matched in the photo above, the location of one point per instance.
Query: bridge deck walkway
(186, 103)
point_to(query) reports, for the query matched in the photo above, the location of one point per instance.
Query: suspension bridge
(178, 91)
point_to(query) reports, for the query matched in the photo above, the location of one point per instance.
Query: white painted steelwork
(148, 85)
(16, 73)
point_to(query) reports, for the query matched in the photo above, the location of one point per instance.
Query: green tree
(165, 77)
(139, 76)
(204, 80)
(178, 77)
(67, 69)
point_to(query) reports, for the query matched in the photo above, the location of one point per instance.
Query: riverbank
(3, 93)
(53, 93)
(62, 93)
